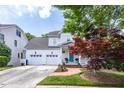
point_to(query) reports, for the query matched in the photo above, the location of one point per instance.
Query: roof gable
(39, 43)
(54, 34)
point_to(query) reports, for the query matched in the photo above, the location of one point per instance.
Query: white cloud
(44, 11)
(13, 12)
(30, 8)
(19, 13)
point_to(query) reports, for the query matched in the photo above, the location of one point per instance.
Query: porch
(72, 59)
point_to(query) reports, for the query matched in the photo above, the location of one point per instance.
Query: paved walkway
(62, 86)
(24, 76)
(70, 71)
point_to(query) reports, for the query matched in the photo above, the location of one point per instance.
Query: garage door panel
(35, 60)
(53, 59)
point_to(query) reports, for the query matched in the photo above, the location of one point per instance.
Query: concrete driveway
(24, 76)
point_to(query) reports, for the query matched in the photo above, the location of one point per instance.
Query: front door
(71, 58)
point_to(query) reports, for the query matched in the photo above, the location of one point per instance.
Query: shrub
(5, 54)
(5, 50)
(109, 66)
(122, 67)
(4, 61)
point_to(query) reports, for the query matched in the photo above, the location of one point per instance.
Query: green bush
(109, 66)
(5, 54)
(4, 61)
(122, 67)
(5, 50)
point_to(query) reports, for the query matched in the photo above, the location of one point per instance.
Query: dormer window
(68, 40)
(54, 41)
(18, 33)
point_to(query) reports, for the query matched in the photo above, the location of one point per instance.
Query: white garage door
(35, 60)
(52, 59)
(38, 60)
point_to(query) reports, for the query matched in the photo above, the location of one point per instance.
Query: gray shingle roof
(39, 43)
(10, 25)
(54, 34)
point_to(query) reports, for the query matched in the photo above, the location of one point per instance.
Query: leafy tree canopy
(29, 36)
(100, 25)
(44, 35)
(81, 19)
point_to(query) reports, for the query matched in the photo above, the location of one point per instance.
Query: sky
(37, 20)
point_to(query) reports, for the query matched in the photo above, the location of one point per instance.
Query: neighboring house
(14, 37)
(1, 38)
(52, 50)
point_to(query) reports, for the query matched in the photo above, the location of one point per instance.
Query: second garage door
(52, 59)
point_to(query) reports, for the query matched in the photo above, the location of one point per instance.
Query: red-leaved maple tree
(99, 46)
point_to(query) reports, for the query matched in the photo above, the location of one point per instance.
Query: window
(52, 55)
(35, 55)
(54, 41)
(18, 55)
(1, 38)
(31, 55)
(18, 33)
(21, 55)
(63, 51)
(24, 54)
(68, 40)
(15, 43)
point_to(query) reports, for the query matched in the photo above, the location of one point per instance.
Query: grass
(76, 80)
(5, 68)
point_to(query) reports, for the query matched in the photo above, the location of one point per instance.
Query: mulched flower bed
(101, 77)
(61, 68)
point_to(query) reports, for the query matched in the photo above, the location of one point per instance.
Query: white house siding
(44, 59)
(64, 37)
(9, 37)
(83, 61)
(53, 41)
(66, 55)
(36, 47)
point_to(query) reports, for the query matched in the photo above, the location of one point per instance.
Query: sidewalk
(62, 86)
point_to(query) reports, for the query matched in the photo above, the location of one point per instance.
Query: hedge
(4, 61)
(5, 50)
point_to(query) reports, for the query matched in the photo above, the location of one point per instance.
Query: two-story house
(14, 37)
(52, 50)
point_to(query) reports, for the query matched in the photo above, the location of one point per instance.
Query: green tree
(29, 36)
(5, 50)
(98, 24)
(44, 35)
(5, 54)
(81, 19)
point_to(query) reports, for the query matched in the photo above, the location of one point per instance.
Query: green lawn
(78, 81)
(5, 68)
